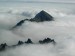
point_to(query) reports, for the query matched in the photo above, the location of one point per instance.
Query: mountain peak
(42, 11)
(42, 16)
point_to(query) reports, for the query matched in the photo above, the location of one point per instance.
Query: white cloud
(62, 30)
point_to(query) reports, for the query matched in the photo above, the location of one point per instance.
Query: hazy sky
(43, 0)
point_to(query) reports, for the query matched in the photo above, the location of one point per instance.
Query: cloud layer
(62, 30)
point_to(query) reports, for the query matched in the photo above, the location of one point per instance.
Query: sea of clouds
(62, 30)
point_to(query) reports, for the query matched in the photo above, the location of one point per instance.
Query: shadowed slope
(42, 16)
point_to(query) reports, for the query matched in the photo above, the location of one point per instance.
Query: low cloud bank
(62, 30)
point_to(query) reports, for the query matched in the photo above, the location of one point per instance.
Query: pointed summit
(42, 16)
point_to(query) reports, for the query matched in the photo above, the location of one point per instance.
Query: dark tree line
(3, 46)
(29, 41)
(47, 40)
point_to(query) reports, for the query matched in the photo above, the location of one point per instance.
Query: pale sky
(43, 0)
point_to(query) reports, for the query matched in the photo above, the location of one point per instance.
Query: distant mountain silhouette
(19, 23)
(42, 16)
(29, 41)
(47, 40)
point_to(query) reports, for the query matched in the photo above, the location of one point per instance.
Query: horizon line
(39, 1)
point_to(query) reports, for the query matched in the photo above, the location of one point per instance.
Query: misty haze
(37, 28)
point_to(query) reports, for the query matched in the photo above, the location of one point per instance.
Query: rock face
(42, 16)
